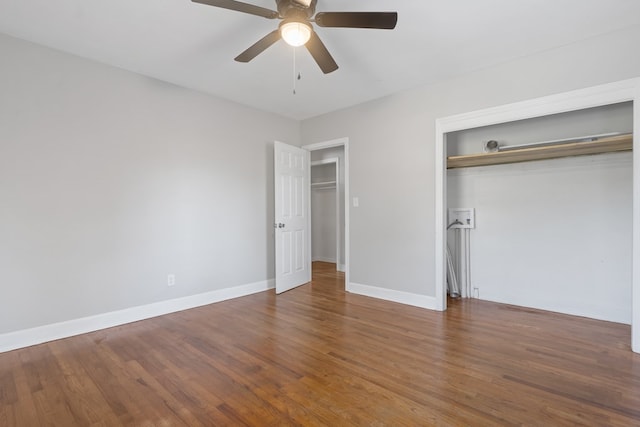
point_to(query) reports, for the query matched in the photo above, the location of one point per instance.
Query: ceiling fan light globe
(295, 33)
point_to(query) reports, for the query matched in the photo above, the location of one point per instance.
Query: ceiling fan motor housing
(291, 10)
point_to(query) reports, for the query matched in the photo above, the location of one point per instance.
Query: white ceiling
(193, 45)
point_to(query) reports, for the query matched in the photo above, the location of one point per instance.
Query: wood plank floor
(319, 356)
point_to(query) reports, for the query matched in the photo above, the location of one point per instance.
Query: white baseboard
(408, 298)
(28, 337)
(342, 268)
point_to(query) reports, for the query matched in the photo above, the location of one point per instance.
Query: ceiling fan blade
(240, 7)
(378, 20)
(259, 47)
(319, 51)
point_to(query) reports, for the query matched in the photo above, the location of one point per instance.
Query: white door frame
(333, 160)
(340, 142)
(611, 93)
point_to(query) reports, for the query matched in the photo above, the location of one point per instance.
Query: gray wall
(553, 234)
(110, 180)
(392, 149)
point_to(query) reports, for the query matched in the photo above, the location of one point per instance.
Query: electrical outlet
(171, 279)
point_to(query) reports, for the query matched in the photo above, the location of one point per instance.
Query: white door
(292, 221)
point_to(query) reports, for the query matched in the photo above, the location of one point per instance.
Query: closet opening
(552, 201)
(328, 216)
(624, 91)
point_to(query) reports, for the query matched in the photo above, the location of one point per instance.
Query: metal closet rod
(559, 141)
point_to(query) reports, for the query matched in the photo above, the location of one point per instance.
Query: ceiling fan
(296, 28)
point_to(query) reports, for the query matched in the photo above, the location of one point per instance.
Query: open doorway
(329, 213)
(327, 216)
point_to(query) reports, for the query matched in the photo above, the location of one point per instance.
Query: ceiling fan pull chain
(294, 70)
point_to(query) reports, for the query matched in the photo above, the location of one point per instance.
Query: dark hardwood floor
(318, 356)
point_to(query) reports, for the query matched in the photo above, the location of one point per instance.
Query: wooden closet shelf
(603, 145)
(323, 185)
